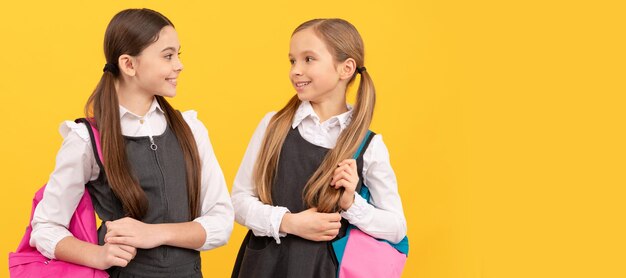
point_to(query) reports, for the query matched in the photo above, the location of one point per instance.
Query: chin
(303, 96)
(168, 94)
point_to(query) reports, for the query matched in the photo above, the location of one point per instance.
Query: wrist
(345, 205)
(164, 235)
(97, 261)
(285, 223)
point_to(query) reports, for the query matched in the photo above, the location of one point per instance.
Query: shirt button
(141, 121)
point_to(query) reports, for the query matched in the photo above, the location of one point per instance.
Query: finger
(342, 168)
(341, 175)
(332, 232)
(352, 173)
(111, 227)
(340, 184)
(333, 217)
(116, 261)
(120, 240)
(333, 225)
(348, 175)
(110, 239)
(337, 174)
(344, 175)
(107, 236)
(110, 234)
(347, 161)
(122, 254)
(131, 250)
(348, 185)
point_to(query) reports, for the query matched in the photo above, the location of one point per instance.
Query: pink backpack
(26, 261)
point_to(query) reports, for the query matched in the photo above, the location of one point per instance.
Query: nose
(295, 70)
(178, 65)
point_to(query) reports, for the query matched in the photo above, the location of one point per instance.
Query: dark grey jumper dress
(262, 257)
(161, 174)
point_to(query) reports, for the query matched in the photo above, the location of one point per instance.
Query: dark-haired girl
(159, 189)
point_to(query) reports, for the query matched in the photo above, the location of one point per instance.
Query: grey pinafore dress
(161, 174)
(294, 257)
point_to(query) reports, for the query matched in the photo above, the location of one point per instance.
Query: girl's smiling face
(314, 72)
(158, 65)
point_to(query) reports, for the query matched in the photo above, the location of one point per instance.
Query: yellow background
(504, 119)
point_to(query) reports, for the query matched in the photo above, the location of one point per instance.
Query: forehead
(306, 41)
(168, 37)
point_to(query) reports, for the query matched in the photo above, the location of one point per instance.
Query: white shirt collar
(306, 110)
(153, 107)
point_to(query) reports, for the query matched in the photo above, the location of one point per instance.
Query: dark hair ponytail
(130, 32)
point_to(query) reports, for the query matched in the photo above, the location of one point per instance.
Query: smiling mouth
(171, 81)
(302, 84)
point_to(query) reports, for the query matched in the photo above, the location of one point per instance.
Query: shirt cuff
(276, 217)
(46, 244)
(216, 236)
(359, 212)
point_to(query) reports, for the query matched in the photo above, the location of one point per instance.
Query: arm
(217, 215)
(75, 166)
(128, 231)
(262, 219)
(384, 218)
(73, 250)
(275, 221)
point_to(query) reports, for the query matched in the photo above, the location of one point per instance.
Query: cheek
(326, 75)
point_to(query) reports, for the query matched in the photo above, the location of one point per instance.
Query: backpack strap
(364, 192)
(94, 136)
(364, 144)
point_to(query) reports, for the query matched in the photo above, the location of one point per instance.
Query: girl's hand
(346, 176)
(128, 231)
(312, 225)
(114, 255)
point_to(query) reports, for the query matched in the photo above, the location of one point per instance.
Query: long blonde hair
(343, 41)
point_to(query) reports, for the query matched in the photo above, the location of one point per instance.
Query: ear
(346, 69)
(127, 64)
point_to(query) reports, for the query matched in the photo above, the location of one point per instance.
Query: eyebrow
(305, 53)
(170, 48)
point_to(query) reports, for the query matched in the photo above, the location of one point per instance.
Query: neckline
(167, 129)
(299, 136)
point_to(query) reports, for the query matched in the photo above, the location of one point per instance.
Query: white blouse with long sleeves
(383, 218)
(76, 165)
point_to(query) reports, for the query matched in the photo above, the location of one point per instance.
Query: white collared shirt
(76, 165)
(382, 219)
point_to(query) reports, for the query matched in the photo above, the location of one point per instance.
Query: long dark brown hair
(344, 41)
(130, 32)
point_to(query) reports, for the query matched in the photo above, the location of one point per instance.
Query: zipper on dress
(154, 148)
